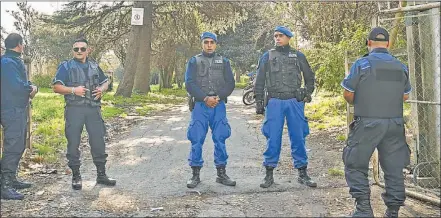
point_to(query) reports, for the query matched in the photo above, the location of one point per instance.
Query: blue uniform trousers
(272, 129)
(203, 117)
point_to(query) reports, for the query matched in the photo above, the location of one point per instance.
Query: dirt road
(150, 165)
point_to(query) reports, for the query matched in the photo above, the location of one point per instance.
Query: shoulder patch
(364, 63)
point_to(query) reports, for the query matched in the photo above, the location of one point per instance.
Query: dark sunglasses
(83, 49)
(278, 35)
(209, 42)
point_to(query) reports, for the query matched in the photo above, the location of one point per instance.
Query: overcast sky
(7, 21)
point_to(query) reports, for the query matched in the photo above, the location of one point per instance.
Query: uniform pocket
(348, 153)
(190, 131)
(223, 130)
(266, 129)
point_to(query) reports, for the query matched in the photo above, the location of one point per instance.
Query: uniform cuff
(347, 88)
(58, 81)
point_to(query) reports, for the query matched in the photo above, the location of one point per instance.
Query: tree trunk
(142, 78)
(166, 77)
(126, 85)
(237, 76)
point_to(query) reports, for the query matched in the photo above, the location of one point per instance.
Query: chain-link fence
(415, 40)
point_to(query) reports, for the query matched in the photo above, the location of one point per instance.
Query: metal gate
(415, 39)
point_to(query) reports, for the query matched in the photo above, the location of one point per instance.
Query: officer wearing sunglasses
(82, 82)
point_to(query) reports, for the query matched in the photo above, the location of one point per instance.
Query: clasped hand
(212, 101)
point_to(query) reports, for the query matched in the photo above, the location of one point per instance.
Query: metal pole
(412, 8)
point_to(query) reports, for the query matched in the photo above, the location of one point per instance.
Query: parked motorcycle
(248, 93)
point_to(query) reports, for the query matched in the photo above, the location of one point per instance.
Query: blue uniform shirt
(15, 88)
(62, 75)
(194, 90)
(351, 81)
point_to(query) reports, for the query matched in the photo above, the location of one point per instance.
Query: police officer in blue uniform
(16, 92)
(82, 82)
(280, 71)
(209, 81)
(377, 86)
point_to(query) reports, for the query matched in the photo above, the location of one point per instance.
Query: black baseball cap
(378, 31)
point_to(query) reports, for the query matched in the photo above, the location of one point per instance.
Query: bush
(42, 81)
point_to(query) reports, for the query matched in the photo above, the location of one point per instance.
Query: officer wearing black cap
(281, 71)
(377, 86)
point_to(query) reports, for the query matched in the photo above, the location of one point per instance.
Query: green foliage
(241, 85)
(327, 59)
(42, 80)
(325, 111)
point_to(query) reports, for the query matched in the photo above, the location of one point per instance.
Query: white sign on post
(137, 16)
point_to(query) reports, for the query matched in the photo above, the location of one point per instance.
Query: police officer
(377, 85)
(82, 82)
(16, 92)
(280, 71)
(209, 80)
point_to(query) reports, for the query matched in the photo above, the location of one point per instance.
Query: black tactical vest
(379, 93)
(77, 77)
(284, 74)
(210, 75)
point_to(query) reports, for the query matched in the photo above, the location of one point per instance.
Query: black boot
(363, 208)
(392, 211)
(76, 178)
(20, 185)
(269, 179)
(102, 177)
(7, 190)
(305, 179)
(222, 177)
(195, 180)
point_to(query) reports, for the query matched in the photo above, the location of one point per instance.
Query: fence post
(28, 64)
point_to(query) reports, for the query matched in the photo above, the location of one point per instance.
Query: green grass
(111, 112)
(48, 115)
(341, 137)
(325, 111)
(336, 172)
(241, 85)
(144, 110)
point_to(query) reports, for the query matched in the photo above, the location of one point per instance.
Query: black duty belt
(282, 95)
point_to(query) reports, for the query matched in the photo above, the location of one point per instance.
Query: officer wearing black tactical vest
(281, 71)
(377, 85)
(82, 82)
(209, 81)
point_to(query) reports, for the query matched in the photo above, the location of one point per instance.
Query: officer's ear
(368, 43)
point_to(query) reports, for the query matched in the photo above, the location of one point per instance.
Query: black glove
(260, 109)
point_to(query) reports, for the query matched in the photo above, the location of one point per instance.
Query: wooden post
(349, 108)
(28, 134)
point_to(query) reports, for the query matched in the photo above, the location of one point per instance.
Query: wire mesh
(415, 37)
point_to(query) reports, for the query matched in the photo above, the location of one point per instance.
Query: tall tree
(142, 77)
(126, 86)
